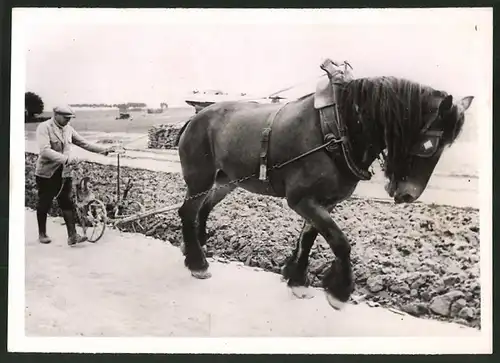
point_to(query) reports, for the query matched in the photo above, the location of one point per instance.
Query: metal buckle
(330, 138)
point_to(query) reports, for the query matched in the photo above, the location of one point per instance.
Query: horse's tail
(183, 128)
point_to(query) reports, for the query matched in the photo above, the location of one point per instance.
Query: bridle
(428, 141)
(426, 146)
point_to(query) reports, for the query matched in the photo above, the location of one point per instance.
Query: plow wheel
(93, 220)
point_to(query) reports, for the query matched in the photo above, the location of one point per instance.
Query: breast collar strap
(264, 147)
(333, 127)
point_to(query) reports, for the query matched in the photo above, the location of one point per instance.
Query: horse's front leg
(295, 269)
(338, 281)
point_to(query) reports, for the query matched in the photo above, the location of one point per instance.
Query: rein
(323, 146)
(85, 179)
(276, 166)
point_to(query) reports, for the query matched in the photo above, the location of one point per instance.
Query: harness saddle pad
(324, 95)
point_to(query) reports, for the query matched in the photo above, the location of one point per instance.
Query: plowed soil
(421, 259)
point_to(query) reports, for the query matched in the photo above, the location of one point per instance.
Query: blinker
(427, 145)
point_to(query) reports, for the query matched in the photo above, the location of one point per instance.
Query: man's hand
(113, 149)
(72, 160)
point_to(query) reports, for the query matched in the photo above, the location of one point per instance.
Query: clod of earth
(442, 304)
(400, 287)
(467, 313)
(416, 309)
(457, 306)
(375, 283)
(403, 256)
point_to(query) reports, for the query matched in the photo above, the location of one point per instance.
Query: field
(105, 120)
(422, 259)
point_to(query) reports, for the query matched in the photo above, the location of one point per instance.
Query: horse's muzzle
(403, 198)
(406, 192)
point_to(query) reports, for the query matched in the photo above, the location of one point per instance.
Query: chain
(122, 149)
(274, 167)
(237, 181)
(277, 166)
(332, 142)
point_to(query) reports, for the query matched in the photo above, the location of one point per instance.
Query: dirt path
(131, 285)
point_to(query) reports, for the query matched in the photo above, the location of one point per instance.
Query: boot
(42, 223)
(43, 238)
(73, 236)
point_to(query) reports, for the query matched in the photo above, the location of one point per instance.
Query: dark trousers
(48, 188)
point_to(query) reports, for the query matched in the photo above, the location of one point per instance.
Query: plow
(118, 211)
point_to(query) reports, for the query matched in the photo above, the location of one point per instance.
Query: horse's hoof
(334, 302)
(201, 274)
(301, 292)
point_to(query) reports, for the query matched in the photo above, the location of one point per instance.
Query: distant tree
(33, 104)
(163, 104)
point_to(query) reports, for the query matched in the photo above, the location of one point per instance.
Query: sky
(113, 56)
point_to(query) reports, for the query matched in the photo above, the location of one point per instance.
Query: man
(54, 168)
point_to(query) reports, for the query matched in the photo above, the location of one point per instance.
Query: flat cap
(64, 110)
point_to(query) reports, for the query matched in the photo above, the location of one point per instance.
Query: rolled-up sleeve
(46, 151)
(80, 141)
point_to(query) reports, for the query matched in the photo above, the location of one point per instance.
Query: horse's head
(443, 120)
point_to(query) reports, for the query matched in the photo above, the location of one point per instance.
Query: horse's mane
(396, 105)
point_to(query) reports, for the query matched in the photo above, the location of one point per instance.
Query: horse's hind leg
(295, 269)
(338, 281)
(195, 259)
(214, 198)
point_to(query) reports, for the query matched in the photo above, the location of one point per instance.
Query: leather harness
(264, 146)
(332, 125)
(333, 128)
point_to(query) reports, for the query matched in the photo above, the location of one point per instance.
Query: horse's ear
(446, 104)
(466, 102)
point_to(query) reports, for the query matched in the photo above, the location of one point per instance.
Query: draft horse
(297, 152)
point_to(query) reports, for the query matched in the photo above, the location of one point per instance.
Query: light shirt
(55, 143)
